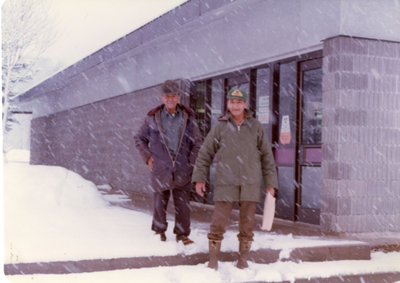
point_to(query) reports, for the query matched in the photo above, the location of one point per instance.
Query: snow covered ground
(52, 214)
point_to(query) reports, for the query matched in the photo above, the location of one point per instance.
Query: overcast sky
(85, 26)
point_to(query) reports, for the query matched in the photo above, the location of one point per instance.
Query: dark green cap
(236, 93)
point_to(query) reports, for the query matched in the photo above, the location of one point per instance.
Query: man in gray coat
(243, 157)
(168, 141)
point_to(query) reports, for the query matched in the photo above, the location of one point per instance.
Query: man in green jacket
(243, 156)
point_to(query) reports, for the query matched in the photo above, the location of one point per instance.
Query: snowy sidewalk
(127, 242)
(58, 223)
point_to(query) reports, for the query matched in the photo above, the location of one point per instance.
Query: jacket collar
(228, 115)
(160, 107)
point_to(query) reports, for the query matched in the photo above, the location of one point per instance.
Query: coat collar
(228, 115)
(153, 111)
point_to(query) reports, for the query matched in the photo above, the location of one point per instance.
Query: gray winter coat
(169, 171)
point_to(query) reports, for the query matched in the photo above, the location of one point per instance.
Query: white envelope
(269, 212)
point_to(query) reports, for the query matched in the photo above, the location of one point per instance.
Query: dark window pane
(285, 202)
(198, 104)
(311, 179)
(217, 94)
(312, 106)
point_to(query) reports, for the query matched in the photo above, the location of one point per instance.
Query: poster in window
(285, 136)
(263, 109)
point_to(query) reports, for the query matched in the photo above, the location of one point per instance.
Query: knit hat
(236, 93)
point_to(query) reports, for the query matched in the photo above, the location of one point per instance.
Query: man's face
(170, 100)
(236, 106)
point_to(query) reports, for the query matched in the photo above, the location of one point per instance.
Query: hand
(150, 163)
(200, 188)
(271, 191)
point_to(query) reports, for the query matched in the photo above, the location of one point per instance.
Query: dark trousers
(221, 216)
(182, 211)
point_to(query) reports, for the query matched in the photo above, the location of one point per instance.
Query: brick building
(323, 77)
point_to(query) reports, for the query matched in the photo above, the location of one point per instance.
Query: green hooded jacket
(243, 156)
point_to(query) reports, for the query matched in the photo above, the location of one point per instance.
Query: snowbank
(54, 214)
(17, 155)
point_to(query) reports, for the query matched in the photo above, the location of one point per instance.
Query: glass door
(309, 142)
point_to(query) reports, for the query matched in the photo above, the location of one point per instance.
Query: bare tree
(27, 31)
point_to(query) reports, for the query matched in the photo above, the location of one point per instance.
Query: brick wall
(96, 140)
(361, 135)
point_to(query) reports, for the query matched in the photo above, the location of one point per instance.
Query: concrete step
(357, 251)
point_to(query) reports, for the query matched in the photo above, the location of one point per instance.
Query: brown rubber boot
(214, 248)
(244, 250)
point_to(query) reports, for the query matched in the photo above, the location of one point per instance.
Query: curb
(324, 253)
